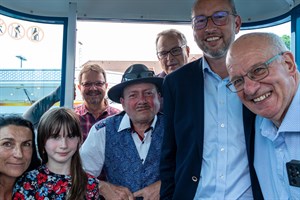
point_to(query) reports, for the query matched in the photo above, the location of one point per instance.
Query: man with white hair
(264, 74)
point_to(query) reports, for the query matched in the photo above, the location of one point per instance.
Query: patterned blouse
(41, 184)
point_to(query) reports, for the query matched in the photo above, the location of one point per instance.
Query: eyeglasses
(219, 18)
(176, 51)
(90, 84)
(131, 76)
(257, 73)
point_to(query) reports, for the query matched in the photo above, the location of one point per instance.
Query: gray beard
(216, 54)
(93, 101)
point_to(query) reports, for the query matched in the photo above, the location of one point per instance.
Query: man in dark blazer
(205, 155)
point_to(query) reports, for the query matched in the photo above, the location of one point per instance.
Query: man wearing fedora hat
(128, 145)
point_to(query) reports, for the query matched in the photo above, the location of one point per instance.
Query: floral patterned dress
(42, 184)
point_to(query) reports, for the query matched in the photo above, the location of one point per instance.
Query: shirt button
(222, 149)
(222, 125)
(194, 178)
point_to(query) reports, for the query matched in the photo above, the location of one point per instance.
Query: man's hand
(114, 192)
(150, 192)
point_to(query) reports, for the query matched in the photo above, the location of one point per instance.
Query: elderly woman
(17, 151)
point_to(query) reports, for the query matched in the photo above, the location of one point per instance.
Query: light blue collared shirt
(225, 171)
(273, 148)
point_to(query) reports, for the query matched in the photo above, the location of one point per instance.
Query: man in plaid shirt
(93, 86)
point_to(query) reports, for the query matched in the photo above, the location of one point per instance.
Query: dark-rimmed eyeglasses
(90, 84)
(219, 18)
(256, 73)
(176, 51)
(132, 76)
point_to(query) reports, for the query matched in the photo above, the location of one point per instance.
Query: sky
(95, 41)
(113, 41)
(45, 53)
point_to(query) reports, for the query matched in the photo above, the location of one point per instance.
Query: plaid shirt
(87, 120)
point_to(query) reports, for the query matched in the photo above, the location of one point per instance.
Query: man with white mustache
(264, 74)
(128, 145)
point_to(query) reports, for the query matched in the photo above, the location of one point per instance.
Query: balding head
(252, 45)
(264, 73)
(259, 41)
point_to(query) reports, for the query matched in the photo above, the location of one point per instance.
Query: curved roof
(254, 13)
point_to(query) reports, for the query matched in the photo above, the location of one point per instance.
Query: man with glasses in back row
(264, 74)
(93, 86)
(208, 139)
(172, 51)
(95, 107)
(128, 145)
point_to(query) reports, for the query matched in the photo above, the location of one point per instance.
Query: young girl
(61, 175)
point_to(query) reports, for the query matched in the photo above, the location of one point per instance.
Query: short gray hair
(172, 32)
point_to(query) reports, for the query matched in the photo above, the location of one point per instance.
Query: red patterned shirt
(87, 120)
(42, 184)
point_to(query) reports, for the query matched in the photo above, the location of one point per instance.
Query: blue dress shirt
(225, 171)
(273, 148)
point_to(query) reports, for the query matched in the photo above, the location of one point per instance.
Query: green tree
(287, 40)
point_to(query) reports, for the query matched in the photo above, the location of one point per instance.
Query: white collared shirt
(92, 151)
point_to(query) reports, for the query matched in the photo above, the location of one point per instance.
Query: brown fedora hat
(136, 73)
